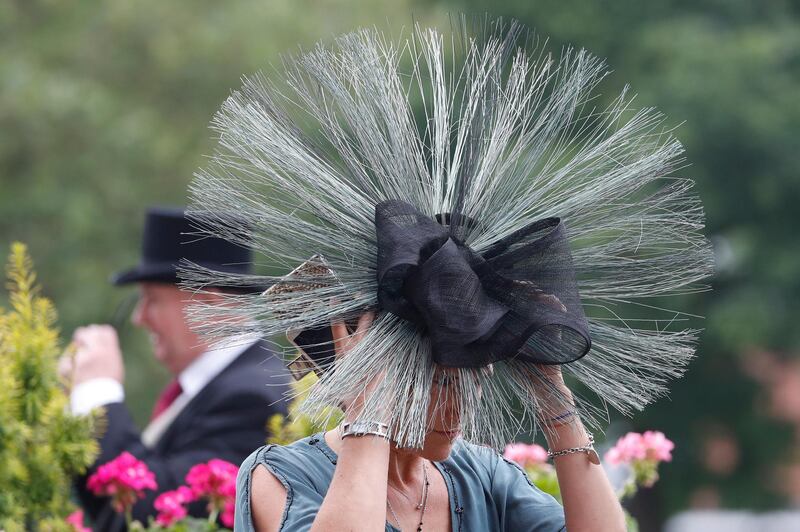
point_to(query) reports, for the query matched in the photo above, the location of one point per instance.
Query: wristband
(365, 428)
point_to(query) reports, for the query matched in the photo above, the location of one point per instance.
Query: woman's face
(444, 415)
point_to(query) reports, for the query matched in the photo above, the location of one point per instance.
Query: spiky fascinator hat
(467, 187)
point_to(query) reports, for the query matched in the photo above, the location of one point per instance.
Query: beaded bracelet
(588, 449)
(565, 418)
(559, 420)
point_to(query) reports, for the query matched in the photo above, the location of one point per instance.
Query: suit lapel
(158, 426)
(191, 409)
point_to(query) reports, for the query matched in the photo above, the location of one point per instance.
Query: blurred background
(104, 109)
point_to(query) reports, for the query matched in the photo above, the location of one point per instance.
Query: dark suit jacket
(225, 420)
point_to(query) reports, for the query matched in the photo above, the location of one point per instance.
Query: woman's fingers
(343, 340)
(364, 323)
(341, 337)
(552, 373)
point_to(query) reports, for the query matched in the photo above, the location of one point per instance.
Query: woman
(465, 185)
(336, 481)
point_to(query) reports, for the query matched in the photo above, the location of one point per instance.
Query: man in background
(219, 400)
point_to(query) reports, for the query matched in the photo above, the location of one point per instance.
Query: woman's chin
(438, 445)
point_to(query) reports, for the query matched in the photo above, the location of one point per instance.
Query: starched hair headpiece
(468, 187)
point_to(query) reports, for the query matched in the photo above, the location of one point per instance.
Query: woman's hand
(555, 401)
(589, 501)
(343, 342)
(553, 375)
(356, 497)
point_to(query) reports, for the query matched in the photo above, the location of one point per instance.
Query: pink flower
(659, 448)
(170, 505)
(217, 478)
(525, 455)
(76, 520)
(227, 514)
(628, 449)
(124, 479)
(215, 481)
(652, 446)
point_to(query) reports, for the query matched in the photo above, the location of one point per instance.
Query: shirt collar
(211, 363)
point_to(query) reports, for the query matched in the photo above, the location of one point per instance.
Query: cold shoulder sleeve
(522, 506)
(303, 478)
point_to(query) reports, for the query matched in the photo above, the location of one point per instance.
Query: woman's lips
(449, 434)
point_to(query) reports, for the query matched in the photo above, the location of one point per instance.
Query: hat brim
(143, 273)
(167, 273)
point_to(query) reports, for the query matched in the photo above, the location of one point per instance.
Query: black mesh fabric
(519, 299)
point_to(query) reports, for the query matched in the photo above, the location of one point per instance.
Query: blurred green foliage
(42, 446)
(285, 429)
(104, 107)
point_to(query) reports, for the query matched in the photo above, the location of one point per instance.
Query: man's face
(162, 310)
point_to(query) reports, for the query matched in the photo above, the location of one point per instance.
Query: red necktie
(167, 397)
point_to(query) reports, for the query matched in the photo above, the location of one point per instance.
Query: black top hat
(169, 236)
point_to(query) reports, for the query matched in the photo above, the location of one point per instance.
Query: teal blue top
(487, 493)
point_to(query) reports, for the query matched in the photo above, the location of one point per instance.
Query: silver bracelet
(365, 428)
(588, 449)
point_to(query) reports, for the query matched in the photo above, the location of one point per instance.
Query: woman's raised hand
(344, 340)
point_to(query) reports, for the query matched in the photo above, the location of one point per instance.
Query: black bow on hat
(518, 299)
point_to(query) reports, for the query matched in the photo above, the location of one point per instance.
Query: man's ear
(211, 296)
(207, 296)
